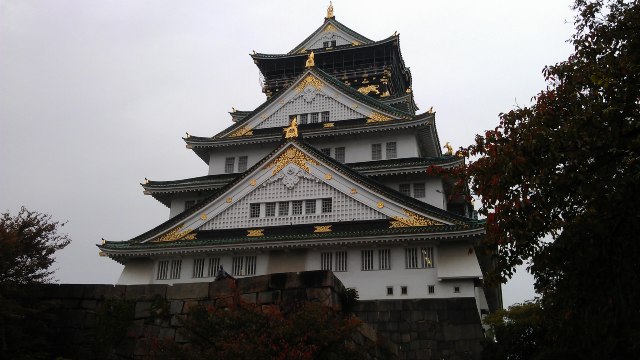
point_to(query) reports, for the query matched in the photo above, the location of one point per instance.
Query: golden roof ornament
(310, 60)
(449, 149)
(330, 11)
(291, 131)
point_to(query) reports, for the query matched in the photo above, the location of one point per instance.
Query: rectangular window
(229, 164)
(296, 207)
(339, 153)
(325, 44)
(327, 205)
(244, 265)
(313, 118)
(303, 119)
(384, 259)
(389, 290)
(404, 290)
(333, 43)
(283, 208)
(427, 257)
(325, 116)
(326, 261)
(326, 151)
(310, 206)
(254, 210)
(163, 270)
(418, 190)
(405, 189)
(214, 263)
(270, 209)
(367, 260)
(376, 151)
(189, 204)
(198, 268)
(456, 289)
(431, 289)
(419, 258)
(341, 261)
(242, 163)
(174, 271)
(411, 258)
(392, 152)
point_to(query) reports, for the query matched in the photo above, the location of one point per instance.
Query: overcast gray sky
(96, 95)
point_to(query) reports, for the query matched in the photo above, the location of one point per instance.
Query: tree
(559, 183)
(519, 332)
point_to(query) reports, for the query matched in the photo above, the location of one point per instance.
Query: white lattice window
(242, 163)
(198, 268)
(419, 258)
(304, 118)
(326, 261)
(339, 154)
(328, 44)
(384, 259)
(296, 207)
(244, 265)
(270, 209)
(341, 261)
(418, 190)
(313, 118)
(310, 206)
(327, 205)
(229, 164)
(325, 116)
(214, 264)
(254, 210)
(367, 260)
(283, 208)
(175, 268)
(392, 151)
(376, 151)
(405, 189)
(163, 270)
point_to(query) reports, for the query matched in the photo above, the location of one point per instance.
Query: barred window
(254, 210)
(367, 260)
(327, 205)
(405, 189)
(313, 118)
(174, 271)
(296, 207)
(341, 261)
(392, 152)
(411, 258)
(376, 151)
(270, 209)
(389, 290)
(242, 163)
(404, 290)
(431, 289)
(427, 257)
(326, 151)
(244, 265)
(339, 154)
(198, 268)
(418, 190)
(384, 259)
(214, 263)
(229, 164)
(419, 258)
(325, 116)
(283, 208)
(310, 206)
(163, 270)
(303, 119)
(326, 261)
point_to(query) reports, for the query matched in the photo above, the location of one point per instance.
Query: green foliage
(559, 183)
(516, 332)
(348, 298)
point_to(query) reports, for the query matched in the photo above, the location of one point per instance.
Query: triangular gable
(313, 92)
(331, 30)
(288, 174)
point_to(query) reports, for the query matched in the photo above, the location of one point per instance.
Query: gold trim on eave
(255, 232)
(175, 234)
(322, 228)
(243, 131)
(291, 156)
(413, 219)
(377, 117)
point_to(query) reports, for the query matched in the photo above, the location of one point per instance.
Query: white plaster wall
(434, 191)
(178, 203)
(457, 261)
(254, 153)
(358, 148)
(137, 271)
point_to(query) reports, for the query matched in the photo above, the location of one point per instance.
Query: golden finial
(330, 11)
(395, 33)
(104, 241)
(188, 136)
(233, 109)
(449, 149)
(254, 52)
(146, 181)
(310, 61)
(408, 91)
(430, 111)
(292, 130)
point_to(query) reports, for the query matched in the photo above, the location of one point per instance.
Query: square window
(270, 209)
(325, 116)
(389, 290)
(242, 163)
(418, 190)
(392, 152)
(326, 151)
(296, 207)
(325, 44)
(283, 208)
(327, 205)
(376, 151)
(303, 119)
(339, 152)
(405, 189)
(254, 210)
(313, 118)
(229, 164)
(432, 289)
(403, 290)
(310, 206)
(333, 43)
(456, 289)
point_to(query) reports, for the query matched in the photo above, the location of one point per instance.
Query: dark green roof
(339, 26)
(304, 55)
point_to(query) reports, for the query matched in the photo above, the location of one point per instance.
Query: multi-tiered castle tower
(328, 173)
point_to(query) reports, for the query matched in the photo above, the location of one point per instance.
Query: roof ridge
(337, 24)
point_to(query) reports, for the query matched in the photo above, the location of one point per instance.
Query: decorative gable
(330, 34)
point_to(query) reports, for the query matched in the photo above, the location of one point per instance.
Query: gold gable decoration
(291, 156)
(255, 232)
(309, 80)
(377, 117)
(412, 219)
(243, 131)
(322, 228)
(175, 234)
